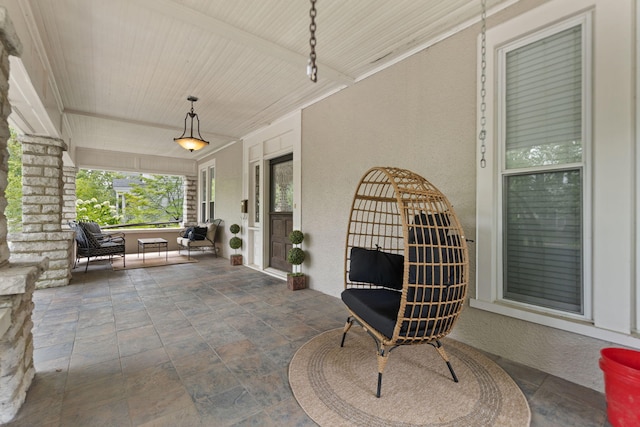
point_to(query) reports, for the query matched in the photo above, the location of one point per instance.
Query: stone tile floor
(203, 344)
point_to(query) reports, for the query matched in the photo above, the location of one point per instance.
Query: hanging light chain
(312, 68)
(483, 91)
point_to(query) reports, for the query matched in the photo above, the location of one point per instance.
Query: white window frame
(608, 309)
(585, 21)
(204, 193)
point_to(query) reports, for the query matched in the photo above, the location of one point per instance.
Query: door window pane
(282, 187)
(256, 194)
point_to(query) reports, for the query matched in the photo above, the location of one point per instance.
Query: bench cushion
(379, 309)
(206, 231)
(434, 255)
(211, 230)
(377, 267)
(194, 243)
(92, 241)
(198, 233)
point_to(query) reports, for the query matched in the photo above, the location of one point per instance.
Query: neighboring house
(122, 187)
(423, 113)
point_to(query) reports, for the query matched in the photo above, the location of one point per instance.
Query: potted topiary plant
(296, 279)
(235, 243)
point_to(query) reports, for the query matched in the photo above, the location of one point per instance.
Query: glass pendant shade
(191, 142)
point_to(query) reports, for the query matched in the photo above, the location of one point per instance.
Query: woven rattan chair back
(402, 215)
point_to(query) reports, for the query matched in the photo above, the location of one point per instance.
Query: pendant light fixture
(191, 142)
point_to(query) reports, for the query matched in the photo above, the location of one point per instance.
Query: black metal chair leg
(453, 374)
(438, 346)
(347, 326)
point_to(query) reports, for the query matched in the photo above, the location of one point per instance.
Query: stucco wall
(419, 114)
(228, 164)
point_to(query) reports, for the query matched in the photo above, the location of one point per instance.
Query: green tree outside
(158, 199)
(96, 183)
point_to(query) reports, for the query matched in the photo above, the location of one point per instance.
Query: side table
(155, 243)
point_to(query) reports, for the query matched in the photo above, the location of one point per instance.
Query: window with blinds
(203, 195)
(207, 193)
(542, 182)
(212, 193)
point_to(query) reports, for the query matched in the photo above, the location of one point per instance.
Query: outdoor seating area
(201, 237)
(92, 242)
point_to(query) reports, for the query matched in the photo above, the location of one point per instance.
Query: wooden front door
(280, 211)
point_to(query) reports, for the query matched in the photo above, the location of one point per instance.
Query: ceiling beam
(142, 123)
(220, 28)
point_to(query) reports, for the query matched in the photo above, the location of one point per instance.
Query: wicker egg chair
(406, 263)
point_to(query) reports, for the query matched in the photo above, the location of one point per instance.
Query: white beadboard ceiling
(124, 68)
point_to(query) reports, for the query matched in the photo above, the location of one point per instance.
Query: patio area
(203, 344)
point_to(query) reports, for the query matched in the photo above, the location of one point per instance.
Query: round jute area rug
(336, 386)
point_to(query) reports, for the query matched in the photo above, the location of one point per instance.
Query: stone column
(16, 279)
(68, 194)
(190, 206)
(16, 339)
(4, 171)
(9, 45)
(42, 200)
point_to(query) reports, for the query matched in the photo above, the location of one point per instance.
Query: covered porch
(103, 85)
(204, 344)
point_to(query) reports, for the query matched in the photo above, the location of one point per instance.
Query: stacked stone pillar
(17, 279)
(42, 201)
(68, 194)
(190, 205)
(9, 45)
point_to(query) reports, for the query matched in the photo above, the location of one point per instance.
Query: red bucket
(621, 369)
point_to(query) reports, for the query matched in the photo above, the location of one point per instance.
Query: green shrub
(296, 237)
(295, 256)
(235, 242)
